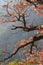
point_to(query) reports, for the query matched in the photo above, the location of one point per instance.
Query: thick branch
(24, 21)
(37, 2)
(35, 38)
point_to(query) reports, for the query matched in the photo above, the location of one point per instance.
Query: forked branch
(30, 28)
(35, 38)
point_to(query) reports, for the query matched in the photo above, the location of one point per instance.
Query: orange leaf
(40, 6)
(39, 13)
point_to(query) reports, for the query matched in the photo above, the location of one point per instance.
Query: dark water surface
(9, 38)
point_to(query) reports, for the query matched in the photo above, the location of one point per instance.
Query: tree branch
(37, 2)
(35, 38)
(30, 28)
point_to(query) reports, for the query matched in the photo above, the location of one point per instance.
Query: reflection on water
(9, 38)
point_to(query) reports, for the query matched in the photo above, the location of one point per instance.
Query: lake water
(9, 38)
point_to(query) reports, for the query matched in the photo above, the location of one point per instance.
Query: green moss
(13, 62)
(17, 63)
(26, 63)
(1, 51)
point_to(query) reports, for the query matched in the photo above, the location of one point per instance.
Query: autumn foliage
(18, 13)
